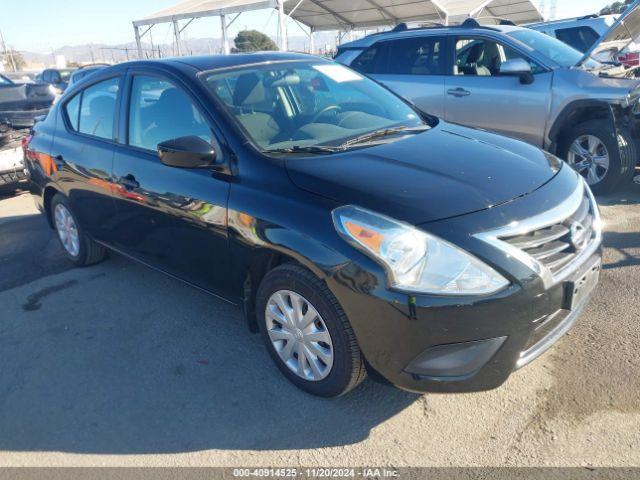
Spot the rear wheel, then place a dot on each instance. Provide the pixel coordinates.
(595, 153)
(307, 334)
(77, 246)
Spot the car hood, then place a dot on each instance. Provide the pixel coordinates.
(624, 32)
(444, 172)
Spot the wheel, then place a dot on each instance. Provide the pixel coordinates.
(77, 246)
(591, 149)
(307, 334)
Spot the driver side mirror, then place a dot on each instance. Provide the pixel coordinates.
(187, 152)
(517, 67)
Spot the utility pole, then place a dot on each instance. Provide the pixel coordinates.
(552, 11)
(9, 54)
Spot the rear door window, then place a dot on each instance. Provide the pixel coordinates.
(416, 56)
(97, 109)
(372, 60)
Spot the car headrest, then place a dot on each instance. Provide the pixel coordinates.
(102, 105)
(249, 90)
(175, 104)
(475, 53)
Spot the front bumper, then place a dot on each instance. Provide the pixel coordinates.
(442, 344)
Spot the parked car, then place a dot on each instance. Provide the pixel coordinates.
(57, 77)
(12, 169)
(580, 33)
(84, 72)
(354, 231)
(517, 82)
(583, 32)
(21, 103)
(20, 77)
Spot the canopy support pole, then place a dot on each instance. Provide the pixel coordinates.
(136, 32)
(225, 40)
(311, 42)
(176, 34)
(282, 26)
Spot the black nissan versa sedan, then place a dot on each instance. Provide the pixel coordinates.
(357, 233)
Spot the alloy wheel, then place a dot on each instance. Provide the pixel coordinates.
(67, 230)
(299, 335)
(589, 156)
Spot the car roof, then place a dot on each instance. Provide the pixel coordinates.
(606, 20)
(428, 31)
(213, 62)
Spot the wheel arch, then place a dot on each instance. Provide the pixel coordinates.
(292, 247)
(47, 196)
(577, 112)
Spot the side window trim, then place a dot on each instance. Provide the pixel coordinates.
(67, 122)
(125, 112)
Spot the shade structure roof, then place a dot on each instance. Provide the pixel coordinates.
(341, 14)
(353, 14)
(204, 8)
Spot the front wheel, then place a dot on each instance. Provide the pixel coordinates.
(307, 334)
(596, 154)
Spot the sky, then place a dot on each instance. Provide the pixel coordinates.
(43, 25)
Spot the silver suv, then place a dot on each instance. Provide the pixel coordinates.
(518, 82)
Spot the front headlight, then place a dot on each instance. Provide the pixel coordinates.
(415, 261)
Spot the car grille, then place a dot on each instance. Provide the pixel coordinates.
(556, 246)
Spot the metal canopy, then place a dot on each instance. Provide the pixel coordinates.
(354, 14)
(204, 8)
(191, 9)
(343, 15)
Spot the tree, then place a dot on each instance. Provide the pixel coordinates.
(14, 60)
(253, 41)
(616, 7)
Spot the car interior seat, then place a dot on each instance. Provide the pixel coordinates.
(249, 94)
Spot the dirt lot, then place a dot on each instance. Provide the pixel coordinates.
(119, 365)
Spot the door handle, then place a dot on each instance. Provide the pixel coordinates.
(458, 92)
(129, 182)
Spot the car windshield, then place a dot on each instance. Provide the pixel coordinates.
(313, 106)
(552, 48)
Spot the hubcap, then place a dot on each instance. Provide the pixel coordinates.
(299, 335)
(588, 155)
(67, 230)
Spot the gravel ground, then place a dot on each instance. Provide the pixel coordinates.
(119, 365)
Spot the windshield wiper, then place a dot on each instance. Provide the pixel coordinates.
(317, 149)
(383, 132)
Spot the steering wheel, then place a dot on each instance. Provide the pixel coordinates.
(324, 111)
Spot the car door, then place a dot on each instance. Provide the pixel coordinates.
(478, 96)
(412, 67)
(82, 152)
(174, 219)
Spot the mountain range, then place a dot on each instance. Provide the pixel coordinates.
(95, 52)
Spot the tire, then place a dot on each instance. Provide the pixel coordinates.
(87, 252)
(622, 154)
(348, 369)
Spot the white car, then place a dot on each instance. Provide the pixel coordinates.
(583, 32)
(12, 170)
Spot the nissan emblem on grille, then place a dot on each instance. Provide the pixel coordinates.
(578, 236)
